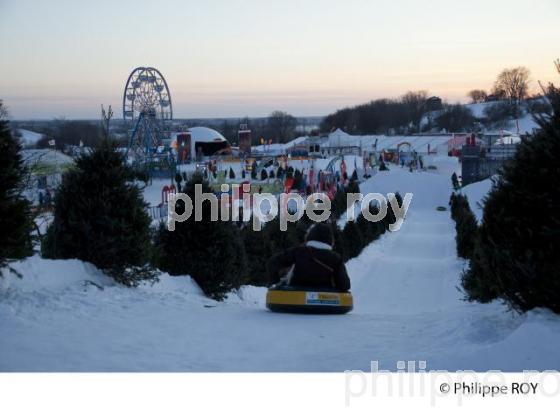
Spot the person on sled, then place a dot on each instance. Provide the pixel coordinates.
(311, 265)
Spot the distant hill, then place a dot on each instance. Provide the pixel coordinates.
(499, 120)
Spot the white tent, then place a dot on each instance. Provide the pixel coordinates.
(339, 138)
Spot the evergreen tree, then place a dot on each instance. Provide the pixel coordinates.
(271, 174)
(100, 217)
(15, 215)
(254, 172)
(516, 256)
(465, 225)
(211, 252)
(231, 173)
(353, 239)
(353, 187)
(281, 240)
(391, 218)
(178, 180)
(298, 179)
(354, 176)
(466, 233)
(455, 181)
(338, 204)
(258, 250)
(377, 228)
(339, 244)
(264, 174)
(366, 229)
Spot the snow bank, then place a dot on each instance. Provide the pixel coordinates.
(171, 284)
(476, 193)
(249, 296)
(528, 342)
(52, 274)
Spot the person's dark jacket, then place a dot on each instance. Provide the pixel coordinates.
(313, 266)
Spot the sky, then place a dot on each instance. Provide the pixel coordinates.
(64, 58)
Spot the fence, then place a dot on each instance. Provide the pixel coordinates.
(478, 164)
(158, 212)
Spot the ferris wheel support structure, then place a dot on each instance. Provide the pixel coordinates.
(148, 109)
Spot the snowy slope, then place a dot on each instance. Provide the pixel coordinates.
(525, 124)
(29, 138)
(407, 307)
(476, 193)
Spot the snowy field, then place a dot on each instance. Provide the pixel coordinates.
(66, 316)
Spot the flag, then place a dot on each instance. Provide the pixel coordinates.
(52, 143)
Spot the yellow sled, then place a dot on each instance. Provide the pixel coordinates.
(291, 299)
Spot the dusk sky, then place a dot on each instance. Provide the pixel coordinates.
(236, 58)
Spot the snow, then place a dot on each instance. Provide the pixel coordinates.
(29, 138)
(526, 123)
(45, 156)
(476, 192)
(508, 140)
(444, 165)
(477, 109)
(419, 144)
(52, 275)
(407, 307)
(152, 192)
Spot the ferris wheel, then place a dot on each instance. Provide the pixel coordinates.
(147, 108)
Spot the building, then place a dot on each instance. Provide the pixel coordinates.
(204, 142)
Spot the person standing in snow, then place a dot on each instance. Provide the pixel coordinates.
(313, 264)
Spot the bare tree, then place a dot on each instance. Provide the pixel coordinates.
(477, 96)
(513, 83)
(415, 102)
(281, 126)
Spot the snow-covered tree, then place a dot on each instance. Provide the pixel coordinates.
(100, 216)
